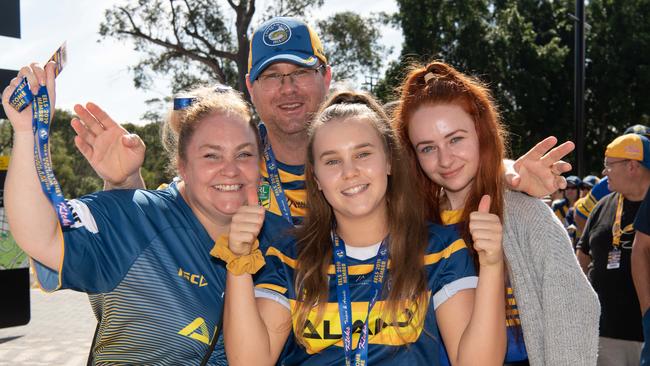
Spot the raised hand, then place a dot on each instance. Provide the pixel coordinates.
(246, 224)
(487, 234)
(36, 76)
(538, 172)
(115, 154)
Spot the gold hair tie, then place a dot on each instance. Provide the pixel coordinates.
(238, 264)
(428, 76)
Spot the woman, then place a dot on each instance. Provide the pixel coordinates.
(457, 142)
(365, 280)
(143, 256)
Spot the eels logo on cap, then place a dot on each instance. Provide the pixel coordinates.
(276, 34)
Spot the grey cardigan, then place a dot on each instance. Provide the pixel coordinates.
(558, 308)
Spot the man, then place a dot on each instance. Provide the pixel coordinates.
(586, 204)
(288, 79)
(641, 271)
(606, 249)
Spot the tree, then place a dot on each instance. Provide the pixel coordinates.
(617, 73)
(202, 41)
(524, 50)
(517, 47)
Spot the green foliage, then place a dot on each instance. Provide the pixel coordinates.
(349, 36)
(524, 51)
(197, 42)
(618, 70)
(72, 170)
(514, 46)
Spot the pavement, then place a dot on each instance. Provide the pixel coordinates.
(59, 333)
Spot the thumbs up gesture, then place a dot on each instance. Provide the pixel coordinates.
(246, 224)
(487, 234)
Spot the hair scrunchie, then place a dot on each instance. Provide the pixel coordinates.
(238, 264)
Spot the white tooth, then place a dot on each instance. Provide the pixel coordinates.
(355, 189)
(228, 187)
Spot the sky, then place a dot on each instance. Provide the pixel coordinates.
(98, 69)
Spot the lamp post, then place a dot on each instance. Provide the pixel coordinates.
(579, 86)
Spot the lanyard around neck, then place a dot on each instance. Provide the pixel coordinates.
(345, 302)
(274, 175)
(617, 232)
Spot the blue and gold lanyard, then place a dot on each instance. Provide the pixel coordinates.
(41, 118)
(345, 301)
(617, 233)
(274, 175)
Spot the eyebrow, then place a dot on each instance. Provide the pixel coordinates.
(446, 136)
(357, 147)
(220, 148)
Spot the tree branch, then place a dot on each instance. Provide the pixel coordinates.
(174, 25)
(214, 66)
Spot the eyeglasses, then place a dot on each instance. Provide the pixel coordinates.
(301, 77)
(608, 164)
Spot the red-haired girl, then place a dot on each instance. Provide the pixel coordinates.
(456, 141)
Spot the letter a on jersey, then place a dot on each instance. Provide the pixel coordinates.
(198, 330)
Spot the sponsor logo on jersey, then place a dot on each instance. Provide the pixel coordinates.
(195, 279)
(381, 330)
(297, 204)
(264, 195)
(198, 330)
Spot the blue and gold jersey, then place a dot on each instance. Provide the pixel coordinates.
(586, 204)
(516, 349)
(402, 341)
(293, 184)
(144, 259)
(560, 209)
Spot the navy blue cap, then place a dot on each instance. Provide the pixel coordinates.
(590, 181)
(283, 39)
(573, 180)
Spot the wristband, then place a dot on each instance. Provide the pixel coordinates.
(238, 264)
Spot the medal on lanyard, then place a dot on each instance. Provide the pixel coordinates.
(345, 302)
(614, 255)
(22, 95)
(274, 175)
(41, 118)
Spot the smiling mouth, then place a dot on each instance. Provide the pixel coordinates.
(290, 106)
(451, 173)
(228, 187)
(355, 190)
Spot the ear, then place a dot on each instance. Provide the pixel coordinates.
(327, 77)
(317, 181)
(634, 166)
(181, 167)
(249, 85)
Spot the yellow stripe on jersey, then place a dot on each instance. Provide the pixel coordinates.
(285, 176)
(282, 257)
(352, 270)
(362, 269)
(445, 253)
(512, 322)
(296, 198)
(381, 330)
(269, 286)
